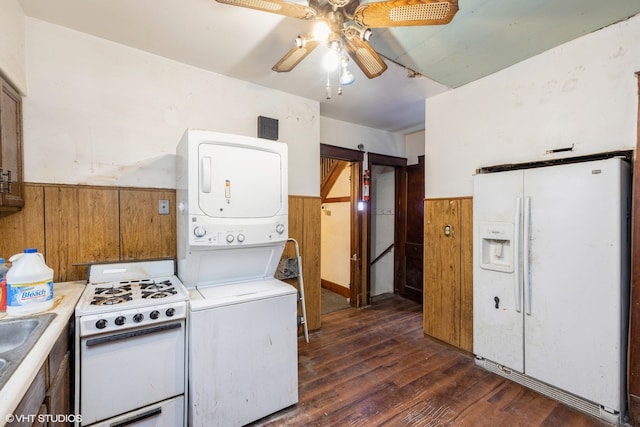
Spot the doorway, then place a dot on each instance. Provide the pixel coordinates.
(376, 227)
(386, 226)
(341, 224)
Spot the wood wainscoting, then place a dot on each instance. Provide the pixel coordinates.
(448, 270)
(74, 225)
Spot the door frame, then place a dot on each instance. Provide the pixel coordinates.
(399, 164)
(357, 292)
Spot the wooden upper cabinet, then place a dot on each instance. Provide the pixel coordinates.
(11, 196)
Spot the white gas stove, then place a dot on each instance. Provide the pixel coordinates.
(130, 326)
(125, 295)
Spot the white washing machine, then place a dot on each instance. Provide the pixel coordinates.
(241, 336)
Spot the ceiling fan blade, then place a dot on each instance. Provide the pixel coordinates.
(371, 64)
(280, 7)
(397, 13)
(294, 56)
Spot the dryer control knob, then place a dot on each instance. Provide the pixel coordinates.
(230, 238)
(240, 238)
(199, 231)
(280, 228)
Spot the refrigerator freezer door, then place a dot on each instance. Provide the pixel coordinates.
(497, 292)
(573, 336)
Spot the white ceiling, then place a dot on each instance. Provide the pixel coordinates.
(484, 37)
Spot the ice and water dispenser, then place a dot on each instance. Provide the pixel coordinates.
(497, 246)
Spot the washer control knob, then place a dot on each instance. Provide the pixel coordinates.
(170, 312)
(101, 324)
(230, 238)
(240, 238)
(138, 317)
(120, 320)
(280, 228)
(199, 231)
(154, 314)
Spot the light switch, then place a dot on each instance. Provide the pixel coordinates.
(163, 207)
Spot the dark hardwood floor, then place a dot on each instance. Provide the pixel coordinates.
(374, 367)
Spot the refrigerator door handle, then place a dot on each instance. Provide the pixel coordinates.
(517, 265)
(527, 254)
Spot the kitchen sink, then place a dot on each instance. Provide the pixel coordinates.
(17, 337)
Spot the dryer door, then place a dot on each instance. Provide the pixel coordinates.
(239, 182)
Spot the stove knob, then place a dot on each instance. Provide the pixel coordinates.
(138, 317)
(170, 312)
(101, 324)
(154, 314)
(120, 320)
(240, 237)
(230, 238)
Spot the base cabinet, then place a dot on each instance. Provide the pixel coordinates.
(448, 271)
(47, 402)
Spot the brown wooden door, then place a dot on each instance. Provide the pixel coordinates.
(413, 249)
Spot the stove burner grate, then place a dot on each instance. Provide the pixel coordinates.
(111, 300)
(112, 290)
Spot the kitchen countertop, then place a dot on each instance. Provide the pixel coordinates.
(65, 298)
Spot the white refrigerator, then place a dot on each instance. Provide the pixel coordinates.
(551, 277)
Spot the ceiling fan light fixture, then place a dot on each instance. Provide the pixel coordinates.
(321, 31)
(346, 77)
(332, 58)
(366, 34)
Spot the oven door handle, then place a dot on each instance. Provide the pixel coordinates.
(139, 417)
(133, 334)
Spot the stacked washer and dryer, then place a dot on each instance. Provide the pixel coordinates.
(232, 222)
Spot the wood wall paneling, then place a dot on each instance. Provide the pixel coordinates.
(466, 274)
(81, 226)
(24, 229)
(448, 271)
(144, 232)
(304, 227)
(442, 271)
(311, 261)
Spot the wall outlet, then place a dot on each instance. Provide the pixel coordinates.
(163, 207)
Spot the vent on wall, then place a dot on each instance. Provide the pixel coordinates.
(267, 128)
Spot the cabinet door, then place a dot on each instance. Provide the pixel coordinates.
(11, 146)
(58, 397)
(442, 270)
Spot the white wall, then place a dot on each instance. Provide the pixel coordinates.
(583, 93)
(414, 145)
(101, 113)
(349, 135)
(12, 44)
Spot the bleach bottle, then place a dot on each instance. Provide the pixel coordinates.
(29, 284)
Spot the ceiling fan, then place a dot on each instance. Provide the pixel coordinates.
(345, 25)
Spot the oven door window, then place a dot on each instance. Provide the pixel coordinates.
(124, 371)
